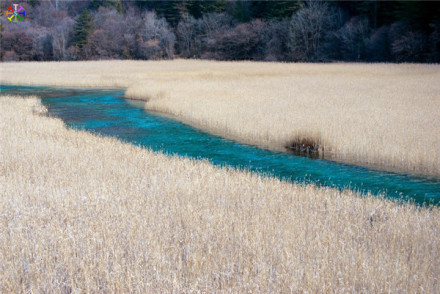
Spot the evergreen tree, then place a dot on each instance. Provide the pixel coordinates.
(378, 12)
(82, 29)
(198, 8)
(241, 11)
(274, 9)
(95, 4)
(172, 11)
(148, 5)
(419, 14)
(33, 3)
(213, 6)
(1, 29)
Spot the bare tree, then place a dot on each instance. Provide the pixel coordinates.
(167, 43)
(244, 42)
(154, 27)
(42, 44)
(47, 15)
(274, 37)
(353, 38)
(10, 56)
(188, 36)
(107, 38)
(308, 29)
(410, 47)
(61, 35)
(156, 32)
(114, 34)
(407, 44)
(212, 23)
(18, 39)
(434, 42)
(378, 48)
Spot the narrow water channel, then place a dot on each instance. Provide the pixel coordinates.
(106, 112)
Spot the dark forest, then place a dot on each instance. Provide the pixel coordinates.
(293, 31)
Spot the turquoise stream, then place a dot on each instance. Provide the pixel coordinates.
(106, 112)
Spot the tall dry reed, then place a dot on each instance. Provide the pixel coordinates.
(82, 213)
(380, 115)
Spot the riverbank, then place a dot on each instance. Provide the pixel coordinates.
(104, 216)
(379, 115)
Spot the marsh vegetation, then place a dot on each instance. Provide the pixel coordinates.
(87, 213)
(379, 115)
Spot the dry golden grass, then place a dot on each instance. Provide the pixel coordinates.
(381, 115)
(83, 213)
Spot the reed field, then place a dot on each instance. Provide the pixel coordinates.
(385, 116)
(84, 213)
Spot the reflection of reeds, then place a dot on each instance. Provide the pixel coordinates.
(82, 213)
(382, 115)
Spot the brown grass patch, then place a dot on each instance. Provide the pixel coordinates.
(305, 146)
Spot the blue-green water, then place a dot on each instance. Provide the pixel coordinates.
(106, 112)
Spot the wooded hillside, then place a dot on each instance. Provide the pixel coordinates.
(299, 31)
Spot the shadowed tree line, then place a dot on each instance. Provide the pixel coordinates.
(299, 31)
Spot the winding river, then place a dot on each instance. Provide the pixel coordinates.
(106, 112)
